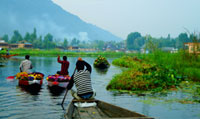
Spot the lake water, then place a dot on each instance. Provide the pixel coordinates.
(15, 103)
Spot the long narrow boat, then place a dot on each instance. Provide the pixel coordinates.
(99, 110)
(8, 56)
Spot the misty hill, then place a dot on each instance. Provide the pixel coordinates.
(47, 17)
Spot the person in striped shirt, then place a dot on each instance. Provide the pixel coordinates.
(82, 81)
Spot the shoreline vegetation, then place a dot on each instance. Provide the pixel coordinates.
(55, 52)
(158, 72)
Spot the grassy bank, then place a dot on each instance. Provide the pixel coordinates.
(156, 72)
(55, 52)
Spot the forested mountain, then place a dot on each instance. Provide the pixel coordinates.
(47, 17)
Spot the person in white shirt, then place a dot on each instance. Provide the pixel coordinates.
(26, 65)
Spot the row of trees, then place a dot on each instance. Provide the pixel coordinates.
(38, 42)
(48, 41)
(135, 41)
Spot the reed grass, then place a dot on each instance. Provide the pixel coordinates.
(156, 71)
(55, 52)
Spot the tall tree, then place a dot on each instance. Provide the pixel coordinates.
(16, 37)
(5, 38)
(182, 38)
(130, 40)
(37, 43)
(151, 44)
(48, 42)
(75, 42)
(33, 36)
(65, 43)
(27, 37)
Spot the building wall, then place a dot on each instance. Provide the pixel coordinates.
(193, 47)
(4, 45)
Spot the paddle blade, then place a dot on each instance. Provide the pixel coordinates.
(10, 78)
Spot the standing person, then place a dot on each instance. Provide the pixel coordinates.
(82, 80)
(26, 65)
(64, 66)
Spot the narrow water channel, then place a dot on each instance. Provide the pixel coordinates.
(16, 103)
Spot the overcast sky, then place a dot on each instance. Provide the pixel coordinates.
(155, 17)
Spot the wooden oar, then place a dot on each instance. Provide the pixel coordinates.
(67, 90)
(64, 97)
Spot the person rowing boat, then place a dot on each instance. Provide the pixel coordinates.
(82, 81)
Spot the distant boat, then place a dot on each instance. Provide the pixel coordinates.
(101, 63)
(8, 56)
(96, 109)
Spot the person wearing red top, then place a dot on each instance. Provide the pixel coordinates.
(64, 66)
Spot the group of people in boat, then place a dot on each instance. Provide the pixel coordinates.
(81, 76)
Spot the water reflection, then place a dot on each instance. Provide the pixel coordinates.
(55, 90)
(32, 89)
(101, 71)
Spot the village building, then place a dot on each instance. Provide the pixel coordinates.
(169, 49)
(73, 48)
(3, 44)
(192, 47)
(21, 45)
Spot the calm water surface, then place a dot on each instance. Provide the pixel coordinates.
(15, 103)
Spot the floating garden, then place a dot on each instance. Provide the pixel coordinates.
(156, 73)
(101, 62)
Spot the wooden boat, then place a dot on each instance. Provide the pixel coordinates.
(102, 66)
(102, 110)
(27, 83)
(56, 88)
(58, 81)
(57, 84)
(8, 56)
(101, 63)
(31, 79)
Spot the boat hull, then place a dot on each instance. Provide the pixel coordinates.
(58, 84)
(102, 110)
(102, 66)
(29, 83)
(8, 56)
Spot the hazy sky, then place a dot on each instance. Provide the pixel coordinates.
(155, 17)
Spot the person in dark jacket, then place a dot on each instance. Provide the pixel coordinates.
(64, 66)
(82, 81)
